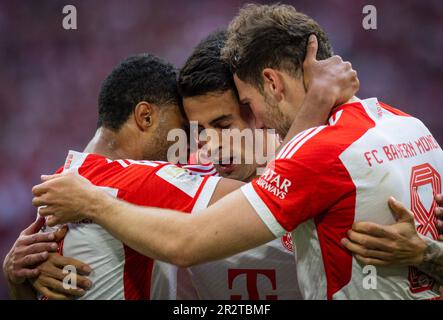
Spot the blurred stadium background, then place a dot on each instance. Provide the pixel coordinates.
(50, 77)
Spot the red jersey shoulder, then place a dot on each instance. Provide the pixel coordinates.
(152, 183)
(324, 144)
(393, 110)
(121, 174)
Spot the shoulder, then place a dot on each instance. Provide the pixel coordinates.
(207, 169)
(123, 174)
(324, 144)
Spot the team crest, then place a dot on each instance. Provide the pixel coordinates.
(286, 241)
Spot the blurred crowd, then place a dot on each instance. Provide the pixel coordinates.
(50, 77)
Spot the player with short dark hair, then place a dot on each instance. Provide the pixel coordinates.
(116, 160)
(138, 106)
(321, 182)
(209, 97)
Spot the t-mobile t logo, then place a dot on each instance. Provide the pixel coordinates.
(252, 282)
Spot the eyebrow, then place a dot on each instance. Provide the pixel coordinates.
(218, 119)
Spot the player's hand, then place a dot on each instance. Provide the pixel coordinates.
(30, 249)
(332, 79)
(398, 244)
(64, 198)
(51, 276)
(439, 213)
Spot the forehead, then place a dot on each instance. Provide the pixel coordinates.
(208, 107)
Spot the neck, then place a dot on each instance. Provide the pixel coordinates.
(113, 145)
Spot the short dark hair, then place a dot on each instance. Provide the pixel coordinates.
(141, 77)
(204, 71)
(271, 36)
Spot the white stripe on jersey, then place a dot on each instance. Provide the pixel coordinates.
(293, 141)
(334, 119)
(298, 143)
(304, 141)
(202, 169)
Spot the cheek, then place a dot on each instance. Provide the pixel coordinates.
(258, 112)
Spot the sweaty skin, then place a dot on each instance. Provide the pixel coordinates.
(320, 99)
(197, 238)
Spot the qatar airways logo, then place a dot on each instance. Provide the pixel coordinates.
(274, 183)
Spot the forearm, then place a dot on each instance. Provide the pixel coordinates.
(313, 112)
(156, 233)
(225, 228)
(432, 263)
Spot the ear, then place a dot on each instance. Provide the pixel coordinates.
(273, 83)
(144, 115)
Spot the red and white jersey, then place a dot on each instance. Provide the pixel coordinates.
(267, 272)
(164, 275)
(328, 177)
(118, 272)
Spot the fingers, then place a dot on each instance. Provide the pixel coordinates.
(51, 295)
(45, 211)
(370, 261)
(52, 221)
(40, 248)
(311, 49)
(372, 229)
(369, 242)
(26, 273)
(57, 286)
(62, 261)
(35, 226)
(39, 201)
(358, 249)
(439, 199)
(32, 259)
(40, 189)
(37, 237)
(337, 59)
(440, 228)
(50, 270)
(60, 233)
(46, 177)
(356, 81)
(400, 212)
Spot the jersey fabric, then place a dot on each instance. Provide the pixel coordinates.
(328, 177)
(267, 272)
(118, 271)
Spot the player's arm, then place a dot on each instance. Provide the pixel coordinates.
(332, 78)
(229, 226)
(328, 83)
(397, 244)
(241, 220)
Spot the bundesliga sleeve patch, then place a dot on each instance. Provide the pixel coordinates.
(181, 178)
